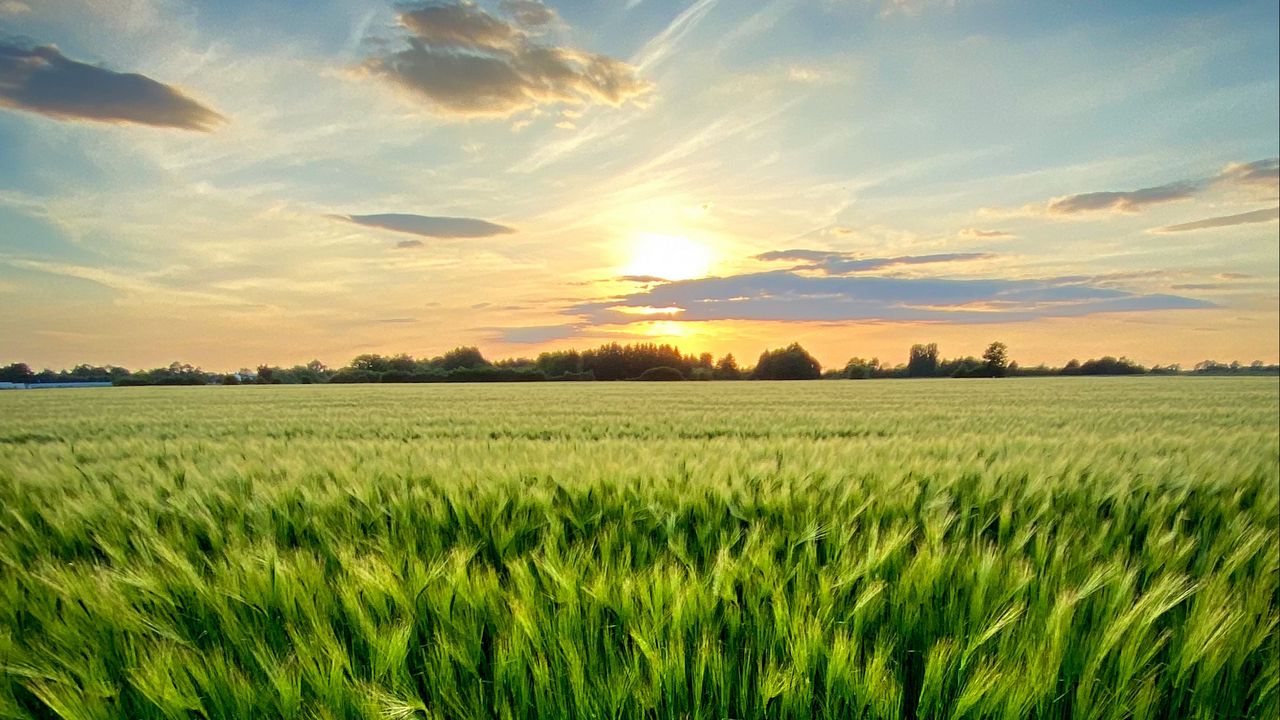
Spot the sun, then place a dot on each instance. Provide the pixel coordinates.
(670, 257)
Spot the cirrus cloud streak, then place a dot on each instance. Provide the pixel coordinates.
(1255, 216)
(843, 263)
(1260, 178)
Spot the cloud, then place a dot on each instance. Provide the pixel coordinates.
(804, 75)
(976, 234)
(1258, 175)
(528, 13)
(534, 334)
(457, 26)
(842, 263)
(913, 8)
(13, 7)
(1124, 201)
(133, 284)
(1263, 174)
(641, 279)
(436, 227)
(786, 296)
(1255, 216)
(43, 80)
(466, 62)
(662, 45)
(807, 256)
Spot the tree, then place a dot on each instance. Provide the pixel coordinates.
(923, 361)
(790, 363)
(727, 369)
(996, 359)
(1108, 365)
(16, 373)
(622, 362)
(860, 369)
(267, 375)
(463, 357)
(402, 363)
(962, 367)
(369, 363)
(560, 362)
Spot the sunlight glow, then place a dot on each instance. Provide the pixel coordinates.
(667, 329)
(671, 257)
(647, 310)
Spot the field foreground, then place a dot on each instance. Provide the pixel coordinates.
(1055, 548)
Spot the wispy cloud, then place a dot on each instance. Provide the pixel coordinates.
(640, 279)
(912, 8)
(1255, 216)
(466, 62)
(133, 284)
(43, 80)
(1260, 175)
(427, 226)
(977, 234)
(797, 255)
(528, 13)
(661, 45)
(535, 334)
(788, 296)
(842, 263)
(1123, 201)
(645, 60)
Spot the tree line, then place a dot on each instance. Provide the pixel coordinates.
(614, 361)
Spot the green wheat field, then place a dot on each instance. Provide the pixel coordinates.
(1036, 548)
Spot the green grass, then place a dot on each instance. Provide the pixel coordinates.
(1056, 548)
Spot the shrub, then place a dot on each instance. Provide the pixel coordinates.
(661, 374)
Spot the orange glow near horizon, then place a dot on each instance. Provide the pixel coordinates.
(669, 330)
(1142, 337)
(647, 310)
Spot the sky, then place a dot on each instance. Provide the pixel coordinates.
(229, 183)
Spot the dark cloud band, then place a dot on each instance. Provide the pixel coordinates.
(427, 226)
(1126, 201)
(841, 263)
(43, 80)
(1258, 175)
(1256, 216)
(787, 296)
